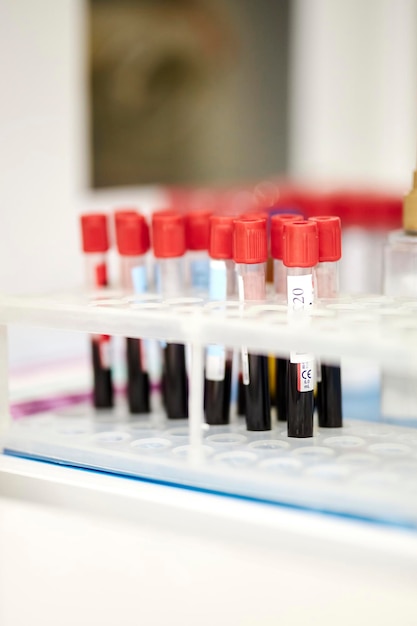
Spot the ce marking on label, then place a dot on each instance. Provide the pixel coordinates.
(306, 375)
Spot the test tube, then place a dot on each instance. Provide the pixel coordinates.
(300, 256)
(280, 284)
(329, 386)
(95, 244)
(132, 238)
(218, 371)
(168, 239)
(197, 234)
(250, 252)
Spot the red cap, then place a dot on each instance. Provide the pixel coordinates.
(221, 236)
(250, 241)
(301, 244)
(132, 234)
(168, 234)
(120, 213)
(277, 232)
(94, 232)
(330, 237)
(197, 230)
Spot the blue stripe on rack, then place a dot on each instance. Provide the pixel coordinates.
(398, 524)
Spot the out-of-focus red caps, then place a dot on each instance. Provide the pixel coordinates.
(277, 232)
(256, 215)
(301, 244)
(221, 236)
(197, 229)
(94, 232)
(132, 234)
(250, 241)
(168, 234)
(330, 237)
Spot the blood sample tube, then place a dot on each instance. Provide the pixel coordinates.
(197, 234)
(132, 238)
(168, 239)
(250, 252)
(329, 387)
(95, 244)
(280, 284)
(218, 372)
(300, 256)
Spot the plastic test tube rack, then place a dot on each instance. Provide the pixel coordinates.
(365, 469)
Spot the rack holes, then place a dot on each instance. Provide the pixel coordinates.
(344, 441)
(236, 459)
(390, 449)
(151, 444)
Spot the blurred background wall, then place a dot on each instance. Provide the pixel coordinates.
(188, 91)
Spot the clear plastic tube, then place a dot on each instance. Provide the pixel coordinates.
(218, 367)
(170, 281)
(400, 264)
(399, 391)
(95, 270)
(280, 278)
(96, 278)
(251, 287)
(327, 279)
(251, 281)
(133, 278)
(170, 277)
(329, 386)
(134, 273)
(301, 371)
(198, 270)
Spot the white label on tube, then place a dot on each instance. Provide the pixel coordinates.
(245, 366)
(244, 350)
(300, 291)
(215, 363)
(305, 370)
(139, 279)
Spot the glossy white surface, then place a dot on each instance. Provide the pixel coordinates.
(94, 549)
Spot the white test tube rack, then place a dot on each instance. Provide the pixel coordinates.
(363, 469)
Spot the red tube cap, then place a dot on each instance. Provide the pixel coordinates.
(250, 241)
(132, 234)
(221, 236)
(197, 230)
(301, 244)
(120, 213)
(330, 237)
(277, 232)
(94, 232)
(168, 234)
